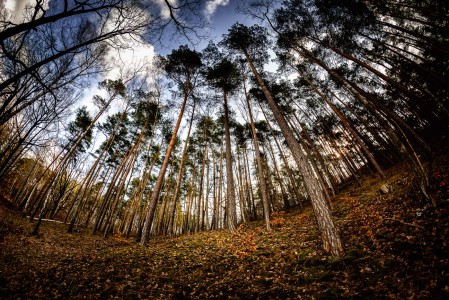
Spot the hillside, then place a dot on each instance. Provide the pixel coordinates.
(396, 248)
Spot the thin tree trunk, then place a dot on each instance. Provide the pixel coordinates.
(251, 194)
(181, 170)
(284, 159)
(200, 205)
(262, 183)
(331, 238)
(158, 185)
(348, 125)
(230, 190)
(241, 192)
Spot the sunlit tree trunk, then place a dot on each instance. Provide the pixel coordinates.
(117, 88)
(158, 185)
(284, 159)
(231, 223)
(251, 200)
(284, 192)
(213, 224)
(200, 203)
(395, 126)
(180, 172)
(331, 237)
(220, 189)
(206, 201)
(240, 188)
(262, 183)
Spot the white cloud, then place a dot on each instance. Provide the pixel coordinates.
(10, 4)
(165, 11)
(134, 60)
(211, 6)
(17, 8)
(130, 56)
(124, 63)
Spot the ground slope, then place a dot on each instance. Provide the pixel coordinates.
(396, 247)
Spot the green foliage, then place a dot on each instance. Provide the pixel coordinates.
(242, 134)
(116, 129)
(224, 75)
(252, 40)
(327, 20)
(113, 87)
(77, 128)
(182, 64)
(146, 110)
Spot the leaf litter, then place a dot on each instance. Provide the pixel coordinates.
(396, 248)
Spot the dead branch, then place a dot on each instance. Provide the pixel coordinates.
(405, 223)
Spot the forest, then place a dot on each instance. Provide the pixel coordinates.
(301, 155)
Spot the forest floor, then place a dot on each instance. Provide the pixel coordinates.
(396, 248)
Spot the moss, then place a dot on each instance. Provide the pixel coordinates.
(333, 261)
(354, 252)
(313, 232)
(303, 253)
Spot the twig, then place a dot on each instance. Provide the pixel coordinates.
(405, 223)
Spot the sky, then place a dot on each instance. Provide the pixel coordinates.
(224, 17)
(221, 14)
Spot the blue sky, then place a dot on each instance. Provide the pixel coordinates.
(222, 15)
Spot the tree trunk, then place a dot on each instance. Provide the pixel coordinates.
(200, 205)
(230, 190)
(181, 170)
(348, 125)
(262, 183)
(331, 238)
(240, 188)
(158, 185)
(284, 159)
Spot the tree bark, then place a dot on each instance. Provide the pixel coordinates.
(158, 185)
(230, 190)
(331, 238)
(262, 183)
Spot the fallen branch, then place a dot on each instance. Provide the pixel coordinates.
(46, 220)
(405, 223)
(54, 221)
